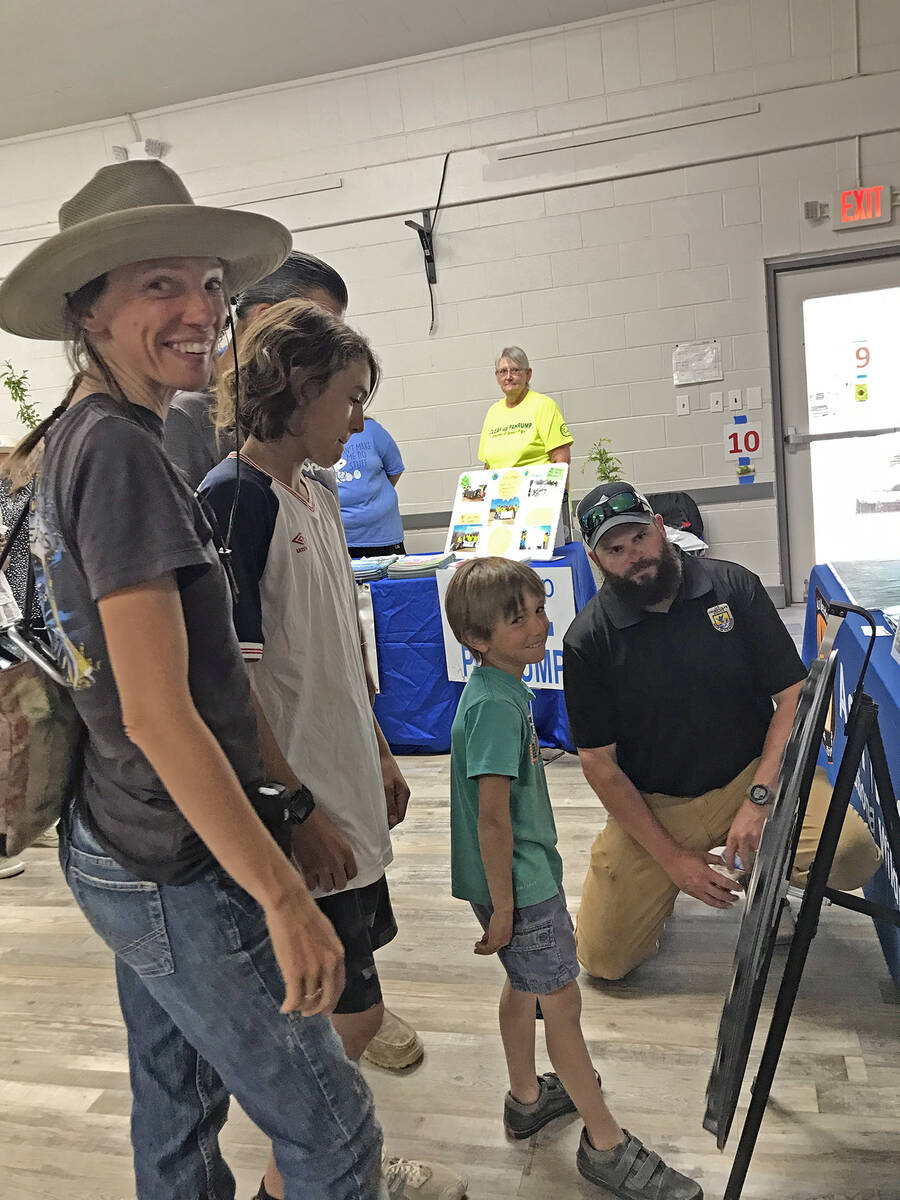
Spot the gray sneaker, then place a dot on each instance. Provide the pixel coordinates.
(632, 1172)
(523, 1120)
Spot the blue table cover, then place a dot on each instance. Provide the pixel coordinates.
(883, 685)
(416, 703)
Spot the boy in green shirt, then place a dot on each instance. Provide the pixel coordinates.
(504, 861)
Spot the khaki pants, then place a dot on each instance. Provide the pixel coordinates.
(628, 897)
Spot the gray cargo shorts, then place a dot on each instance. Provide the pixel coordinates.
(540, 956)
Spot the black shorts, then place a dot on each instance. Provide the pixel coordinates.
(364, 921)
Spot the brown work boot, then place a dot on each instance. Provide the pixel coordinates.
(407, 1179)
(395, 1046)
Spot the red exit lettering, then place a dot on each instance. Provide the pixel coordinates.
(861, 204)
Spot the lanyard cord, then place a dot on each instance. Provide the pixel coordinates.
(223, 545)
(237, 432)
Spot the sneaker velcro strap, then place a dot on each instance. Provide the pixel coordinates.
(626, 1162)
(644, 1172)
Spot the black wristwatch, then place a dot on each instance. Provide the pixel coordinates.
(760, 794)
(298, 805)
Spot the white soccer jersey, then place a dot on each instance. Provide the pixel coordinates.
(297, 623)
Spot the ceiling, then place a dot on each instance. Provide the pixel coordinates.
(62, 63)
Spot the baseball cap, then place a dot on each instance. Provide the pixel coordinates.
(609, 505)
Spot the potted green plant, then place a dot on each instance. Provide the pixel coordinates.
(608, 467)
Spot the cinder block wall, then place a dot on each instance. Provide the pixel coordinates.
(596, 261)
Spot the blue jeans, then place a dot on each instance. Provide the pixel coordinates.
(200, 993)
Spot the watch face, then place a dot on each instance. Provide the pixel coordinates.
(760, 794)
(300, 805)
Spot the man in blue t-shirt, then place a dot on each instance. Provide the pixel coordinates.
(367, 477)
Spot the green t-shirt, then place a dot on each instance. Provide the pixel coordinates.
(523, 434)
(493, 734)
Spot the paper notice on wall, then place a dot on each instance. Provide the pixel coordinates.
(696, 362)
(743, 440)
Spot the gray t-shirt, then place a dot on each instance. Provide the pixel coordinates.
(195, 446)
(191, 439)
(112, 512)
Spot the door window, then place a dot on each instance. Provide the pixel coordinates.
(852, 350)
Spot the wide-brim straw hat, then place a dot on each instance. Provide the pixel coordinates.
(130, 212)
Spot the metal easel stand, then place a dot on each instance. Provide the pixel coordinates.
(862, 733)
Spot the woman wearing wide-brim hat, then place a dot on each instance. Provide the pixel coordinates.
(225, 966)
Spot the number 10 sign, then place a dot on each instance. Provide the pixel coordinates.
(743, 440)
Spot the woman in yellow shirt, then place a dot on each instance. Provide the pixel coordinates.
(525, 426)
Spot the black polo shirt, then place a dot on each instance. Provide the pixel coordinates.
(685, 696)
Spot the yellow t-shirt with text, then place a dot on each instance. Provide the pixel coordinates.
(520, 436)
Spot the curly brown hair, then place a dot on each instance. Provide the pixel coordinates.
(287, 357)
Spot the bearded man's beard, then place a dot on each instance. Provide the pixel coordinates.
(644, 593)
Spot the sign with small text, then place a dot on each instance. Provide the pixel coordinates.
(560, 608)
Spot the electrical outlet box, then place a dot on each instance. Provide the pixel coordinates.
(754, 397)
(716, 403)
(682, 404)
(734, 398)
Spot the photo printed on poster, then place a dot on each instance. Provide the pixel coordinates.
(513, 512)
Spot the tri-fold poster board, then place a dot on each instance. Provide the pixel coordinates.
(512, 512)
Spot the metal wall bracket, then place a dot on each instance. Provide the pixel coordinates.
(425, 231)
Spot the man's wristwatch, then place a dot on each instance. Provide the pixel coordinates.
(760, 794)
(298, 805)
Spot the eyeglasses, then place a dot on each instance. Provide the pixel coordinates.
(614, 506)
(509, 371)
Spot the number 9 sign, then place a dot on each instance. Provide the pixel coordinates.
(743, 440)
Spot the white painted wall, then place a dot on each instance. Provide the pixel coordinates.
(596, 260)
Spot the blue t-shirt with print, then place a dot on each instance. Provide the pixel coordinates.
(369, 505)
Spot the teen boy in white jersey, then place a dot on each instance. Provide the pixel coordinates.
(195, 446)
(305, 377)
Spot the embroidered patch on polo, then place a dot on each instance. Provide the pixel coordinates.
(721, 617)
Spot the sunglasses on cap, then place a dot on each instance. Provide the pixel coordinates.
(622, 504)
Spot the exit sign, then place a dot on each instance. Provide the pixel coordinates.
(861, 206)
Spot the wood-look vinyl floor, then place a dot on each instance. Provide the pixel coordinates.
(832, 1131)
